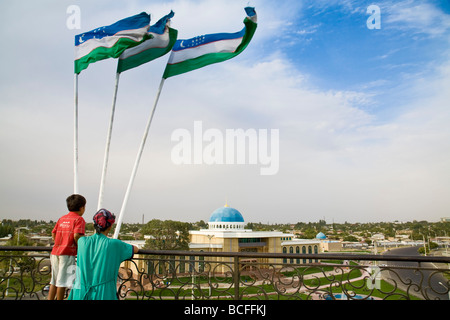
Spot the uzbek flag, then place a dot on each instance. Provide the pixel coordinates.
(110, 41)
(162, 39)
(195, 53)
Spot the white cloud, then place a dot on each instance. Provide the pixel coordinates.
(418, 16)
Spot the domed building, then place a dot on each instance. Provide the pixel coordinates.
(320, 244)
(328, 245)
(309, 246)
(226, 233)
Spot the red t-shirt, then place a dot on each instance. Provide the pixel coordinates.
(64, 231)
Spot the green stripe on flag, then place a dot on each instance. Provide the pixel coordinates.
(102, 53)
(147, 55)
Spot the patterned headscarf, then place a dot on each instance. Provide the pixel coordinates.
(103, 219)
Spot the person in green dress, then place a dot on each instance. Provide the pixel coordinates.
(98, 261)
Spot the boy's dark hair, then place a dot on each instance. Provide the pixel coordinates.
(75, 202)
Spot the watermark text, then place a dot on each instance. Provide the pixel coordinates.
(374, 21)
(74, 20)
(234, 146)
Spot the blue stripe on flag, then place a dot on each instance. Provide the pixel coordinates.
(205, 39)
(160, 26)
(250, 11)
(135, 22)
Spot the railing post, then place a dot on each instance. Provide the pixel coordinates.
(236, 277)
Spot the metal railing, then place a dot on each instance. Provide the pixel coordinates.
(186, 275)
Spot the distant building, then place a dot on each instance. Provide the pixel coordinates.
(226, 233)
(303, 246)
(328, 245)
(41, 240)
(317, 245)
(377, 237)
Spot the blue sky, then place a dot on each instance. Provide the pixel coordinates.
(331, 42)
(362, 113)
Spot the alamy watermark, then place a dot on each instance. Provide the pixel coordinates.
(234, 146)
(74, 20)
(374, 21)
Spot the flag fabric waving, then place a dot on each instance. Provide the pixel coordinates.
(162, 39)
(195, 53)
(110, 41)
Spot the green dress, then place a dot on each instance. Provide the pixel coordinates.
(98, 262)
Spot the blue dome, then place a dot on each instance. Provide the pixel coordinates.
(320, 235)
(226, 214)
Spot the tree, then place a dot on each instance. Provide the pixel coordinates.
(351, 238)
(429, 246)
(6, 230)
(202, 224)
(166, 235)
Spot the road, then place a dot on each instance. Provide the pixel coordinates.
(434, 285)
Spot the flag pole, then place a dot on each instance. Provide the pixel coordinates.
(75, 136)
(108, 142)
(136, 164)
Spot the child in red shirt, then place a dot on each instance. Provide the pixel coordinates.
(66, 233)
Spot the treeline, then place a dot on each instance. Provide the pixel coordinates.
(8, 226)
(417, 230)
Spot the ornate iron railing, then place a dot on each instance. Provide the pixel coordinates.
(185, 275)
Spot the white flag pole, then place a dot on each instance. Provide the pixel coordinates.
(136, 164)
(108, 142)
(75, 136)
